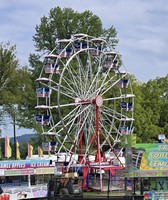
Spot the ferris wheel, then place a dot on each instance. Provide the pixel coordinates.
(84, 97)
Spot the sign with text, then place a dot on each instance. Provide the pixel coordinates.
(142, 173)
(22, 164)
(155, 156)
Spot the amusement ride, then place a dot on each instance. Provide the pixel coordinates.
(85, 101)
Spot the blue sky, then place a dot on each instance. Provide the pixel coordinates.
(142, 27)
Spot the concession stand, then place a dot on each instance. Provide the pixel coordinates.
(21, 179)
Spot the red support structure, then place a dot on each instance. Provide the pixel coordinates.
(80, 157)
(99, 103)
(98, 154)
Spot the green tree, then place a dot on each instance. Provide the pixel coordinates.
(9, 82)
(15, 86)
(151, 107)
(163, 115)
(61, 24)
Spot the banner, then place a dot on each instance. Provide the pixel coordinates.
(7, 147)
(30, 150)
(40, 152)
(17, 151)
(24, 164)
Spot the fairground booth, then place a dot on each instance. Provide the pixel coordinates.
(21, 179)
(149, 172)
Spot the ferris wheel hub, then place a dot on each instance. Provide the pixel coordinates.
(99, 101)
(77, 100)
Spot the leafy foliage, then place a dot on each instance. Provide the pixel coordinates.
(8, 74)
(62, 24)
(151, 109)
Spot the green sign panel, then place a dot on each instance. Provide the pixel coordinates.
(155, 156)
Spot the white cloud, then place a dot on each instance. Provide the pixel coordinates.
(141, 26)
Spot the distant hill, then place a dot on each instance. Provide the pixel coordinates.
(23, 138)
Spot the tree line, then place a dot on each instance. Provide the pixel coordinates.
(17, 83)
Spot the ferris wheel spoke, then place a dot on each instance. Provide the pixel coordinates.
(103, 81)
(80, 127)
(108, 127)
(109, 111)
(113, 98)
(65, 105)
(79, 74)
(115, 115)
(110, 119)
(107, 121)
(69, 87)
(94, 72)
(108, 132)
(70, 129)
(111, 80)
(65, 118)
(71, 121)
(106, 86)
(71, 117)
(96, 80)
(74, 81)
(90, 76)
(88, 71)
(82, 76)
(90, 129)
(93, 84)
(64, 90)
